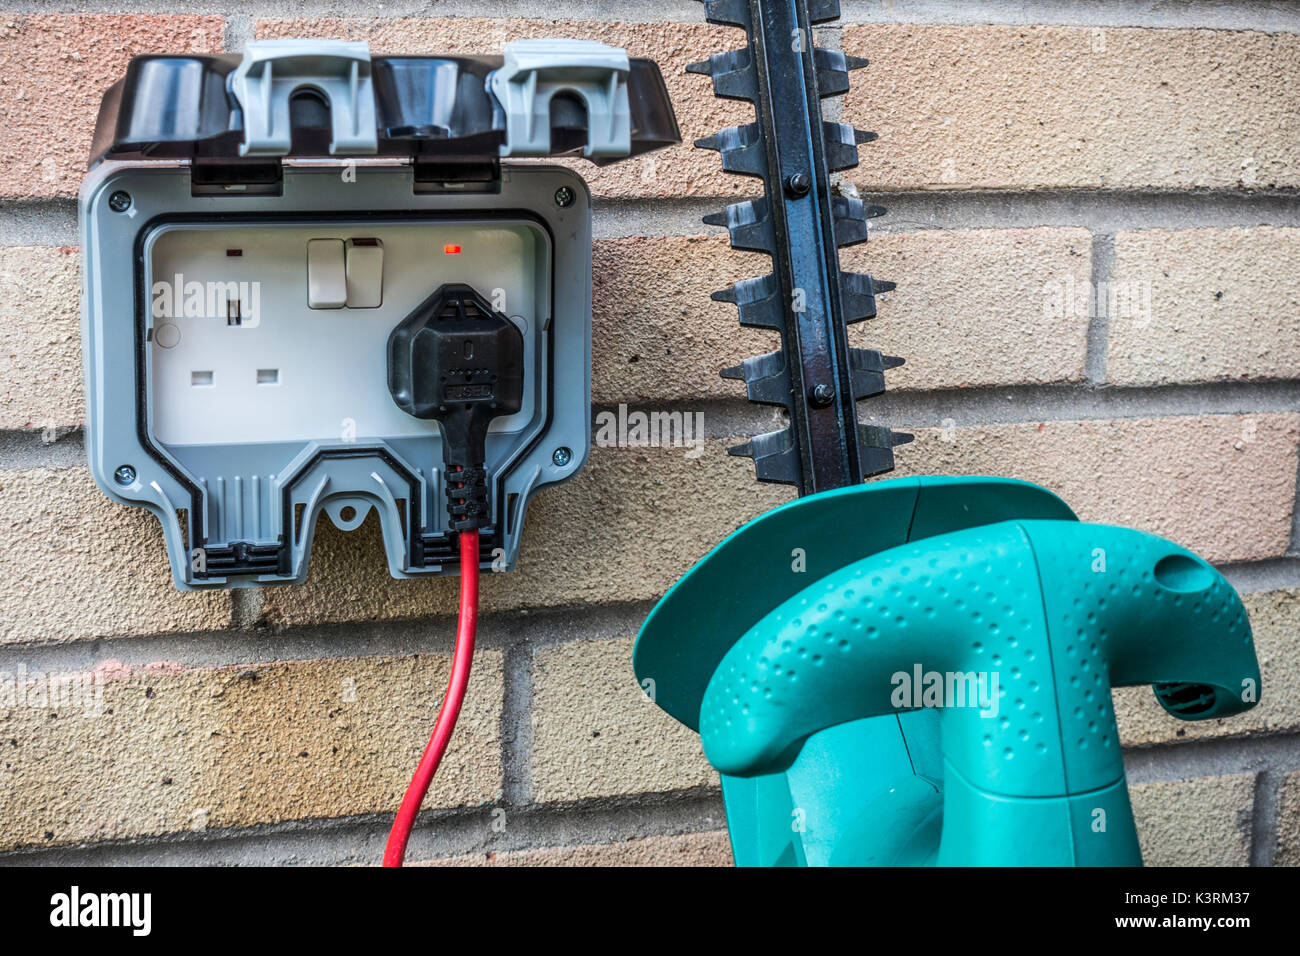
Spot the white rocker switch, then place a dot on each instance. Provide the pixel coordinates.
(365, 273)
(326, 278)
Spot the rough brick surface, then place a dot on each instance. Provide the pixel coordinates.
(595, 734)
(1203, 822)
(76, 565)
(972, 308)
(1002, 107)
(1221, 485)
(56, 69)
(692, 849)
(40, 346)
(1275, 622)
(1287, 850)
(170, 750)
(1224, 305)
(675, 172)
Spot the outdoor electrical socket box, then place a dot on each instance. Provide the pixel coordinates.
(255, 228)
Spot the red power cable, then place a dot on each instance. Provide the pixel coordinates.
(461, 659)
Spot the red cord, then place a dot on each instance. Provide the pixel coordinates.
(461, 658)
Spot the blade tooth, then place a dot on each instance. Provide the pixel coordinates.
(884, 285)
(767, 379)
(852, 62)
(758, 300)
(849, 216)
(832, 72)
(733, 74)
(727, 12)
(874, 212)
(893, 361)
(776, 458)
(841, 146)
(857, 296)
(823, 11)
(861, 136)
(741, 147)
(876, 445)
(750, 225)
(867, 369)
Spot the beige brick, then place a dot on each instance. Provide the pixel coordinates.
(1202, 822)
(40, 347)
(1008, 107)
(609, 535)
(1275, 621)
(56, 69)
(1221, 485)
(971, 309)
(595, 734)
(1287, 851)
(693, 849)
(174, 750)
(1224, 305)
(76, 565)
(674, 172)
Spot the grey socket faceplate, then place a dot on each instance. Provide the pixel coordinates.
(251, 493)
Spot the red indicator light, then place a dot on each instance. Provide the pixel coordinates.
(451, 250)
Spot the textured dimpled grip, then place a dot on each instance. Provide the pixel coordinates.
(1047, 617)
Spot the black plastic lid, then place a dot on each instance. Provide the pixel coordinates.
(181, 107)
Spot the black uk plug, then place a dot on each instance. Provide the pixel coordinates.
(458, 361)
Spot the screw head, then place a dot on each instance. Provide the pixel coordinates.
(562, 456)
(822, 395)
(120, 201)
(564, 197)
(125, 475)
(798, 184)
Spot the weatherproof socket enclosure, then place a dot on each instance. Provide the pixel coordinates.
(254, 229)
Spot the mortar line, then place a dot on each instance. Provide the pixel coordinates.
(53, 221)
(1096, 355)
(518, 635)
(438, 834)
(1277, 16)
(497, 631)
(727, 418)
(517, 727)
(1209, 14)
(1295, 517)
(592, 821)
(238, 31)
(1264, 817)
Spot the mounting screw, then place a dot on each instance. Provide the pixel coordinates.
(564, 197)
(120, 201)
(822, 395)
(125, 475)
(562, 456)
(798, 184)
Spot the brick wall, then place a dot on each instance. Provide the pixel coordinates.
(1152, 148)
